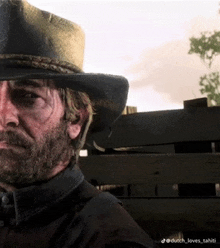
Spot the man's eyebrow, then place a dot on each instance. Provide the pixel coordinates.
(29, 83)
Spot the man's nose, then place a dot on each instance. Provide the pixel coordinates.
(8, 111)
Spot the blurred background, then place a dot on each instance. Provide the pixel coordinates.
(145, 41)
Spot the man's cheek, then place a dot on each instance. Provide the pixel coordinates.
(39, 116)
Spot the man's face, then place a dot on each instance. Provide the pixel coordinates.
(33, 134)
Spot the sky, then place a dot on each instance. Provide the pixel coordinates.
(145, 41)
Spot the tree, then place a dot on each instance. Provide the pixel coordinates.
(208, 47)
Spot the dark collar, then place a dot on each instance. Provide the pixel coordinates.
(32, 200)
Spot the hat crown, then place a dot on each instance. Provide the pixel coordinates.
(37, 44)
(27, 30)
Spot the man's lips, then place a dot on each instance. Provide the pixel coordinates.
(11, 139)
(5, 145)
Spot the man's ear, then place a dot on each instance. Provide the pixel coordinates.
(73, 129)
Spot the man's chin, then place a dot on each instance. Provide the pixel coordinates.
(15, 169)
(11, 159)
(8, 160)
(34, 163)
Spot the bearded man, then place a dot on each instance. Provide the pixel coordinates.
(47, 105)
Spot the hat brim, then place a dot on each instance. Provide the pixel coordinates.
(108, 93)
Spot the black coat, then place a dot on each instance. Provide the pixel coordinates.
(67, 211)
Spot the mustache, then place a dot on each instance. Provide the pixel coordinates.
(13, 138)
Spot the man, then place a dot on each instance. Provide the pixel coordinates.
(46, 107)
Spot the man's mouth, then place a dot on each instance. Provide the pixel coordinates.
(6, 145)
(10, 140)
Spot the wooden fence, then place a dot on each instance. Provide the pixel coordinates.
(165, 167)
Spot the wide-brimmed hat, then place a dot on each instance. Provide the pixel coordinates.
(37, 44)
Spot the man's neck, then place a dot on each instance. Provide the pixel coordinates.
(59, 168)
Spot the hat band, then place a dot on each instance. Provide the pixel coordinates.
(41, 62)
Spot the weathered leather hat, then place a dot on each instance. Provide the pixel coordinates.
(37, 44)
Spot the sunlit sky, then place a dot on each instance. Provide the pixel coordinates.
(145, 41)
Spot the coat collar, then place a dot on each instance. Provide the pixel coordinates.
(29, 201)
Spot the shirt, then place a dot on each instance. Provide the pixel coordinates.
(66, 211)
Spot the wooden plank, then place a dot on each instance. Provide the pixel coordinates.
(165, 216)
(173, 209)
(196, 103)
(170, 148)
(152, 169)
(147, 149)
(129, 110)
(163, 127)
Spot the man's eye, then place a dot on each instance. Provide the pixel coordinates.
(30, 95)
(24, 97)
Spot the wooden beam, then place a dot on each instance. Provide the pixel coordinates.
(165, 216)
(163, 127)
(196, 103)
(173, 209)
(152, 169)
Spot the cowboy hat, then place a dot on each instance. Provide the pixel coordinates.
(37, 44)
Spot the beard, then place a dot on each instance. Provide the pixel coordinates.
(33, 162)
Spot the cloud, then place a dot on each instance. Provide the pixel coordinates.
(147, 99)
(200, 24)
(170, 70)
